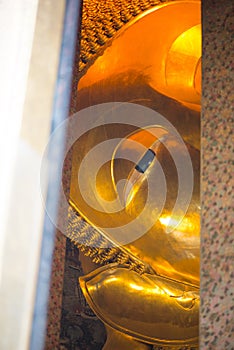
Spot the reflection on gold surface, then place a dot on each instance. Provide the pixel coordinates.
(188, 224)
(154, 61)
(181, 71)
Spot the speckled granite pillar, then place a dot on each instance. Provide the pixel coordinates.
(217, 263)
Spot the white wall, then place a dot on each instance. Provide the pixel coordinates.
(30, 39)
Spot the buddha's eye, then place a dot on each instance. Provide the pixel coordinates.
(145, 161)
(133, 159)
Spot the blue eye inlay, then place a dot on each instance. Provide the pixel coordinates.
(145, 161)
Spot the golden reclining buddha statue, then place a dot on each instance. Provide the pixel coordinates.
(140, 60)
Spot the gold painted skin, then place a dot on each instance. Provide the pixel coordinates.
(175, 256)
(161, 308)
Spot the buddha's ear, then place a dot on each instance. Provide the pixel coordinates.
(148, 308)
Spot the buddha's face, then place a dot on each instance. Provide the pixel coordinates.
(143, 206)
(142, 68)
(154, 62)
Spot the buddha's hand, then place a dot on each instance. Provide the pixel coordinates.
(149, 308)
